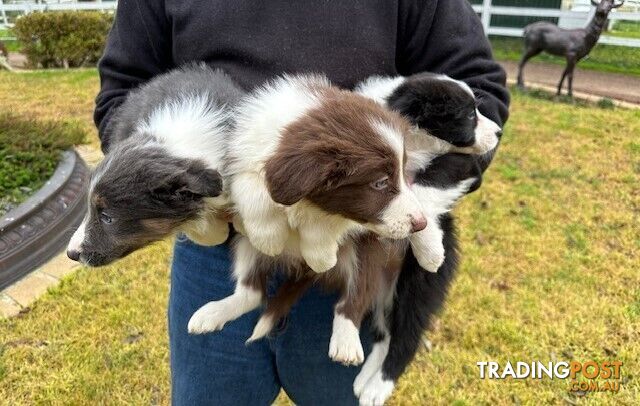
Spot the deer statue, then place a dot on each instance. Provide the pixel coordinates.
(572, 44)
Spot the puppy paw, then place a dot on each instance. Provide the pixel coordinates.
(213, 236)
(345, 346)
(269, 243)
(431, 260)
(238, 225)
(361, 380)
(373, 365)
(346, 351)
(263, 327)
(319, 263)
(319, 259)
(376, 391)
(209, 318)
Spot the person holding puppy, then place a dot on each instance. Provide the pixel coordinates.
(347, 40)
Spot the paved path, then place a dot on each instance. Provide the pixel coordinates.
(615, 86)
(17, 60)
(612, 85)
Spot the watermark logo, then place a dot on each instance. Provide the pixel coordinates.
(590, 376)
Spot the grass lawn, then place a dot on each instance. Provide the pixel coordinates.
(12, 45)
(551, 250)
(605, 58)
(29, 153)
(626, 29)
(63, 104)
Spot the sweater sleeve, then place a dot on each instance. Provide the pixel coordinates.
(138, 48)
(446, 36)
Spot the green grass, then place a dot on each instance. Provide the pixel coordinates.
(63, 103)
(12, 45)
(52, 95)
(626, 29)
(550, 271)
(29, 153)
(605, 58)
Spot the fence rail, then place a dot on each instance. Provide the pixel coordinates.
(486, 11)
(26, 8)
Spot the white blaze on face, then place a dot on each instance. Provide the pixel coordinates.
(486, 130)
(397, 219)
(405, 209)
(486, 134)
(78, 237)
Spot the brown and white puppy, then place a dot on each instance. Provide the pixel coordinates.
(304, 151)
(312, 170)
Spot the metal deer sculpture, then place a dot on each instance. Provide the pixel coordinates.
(572, 44)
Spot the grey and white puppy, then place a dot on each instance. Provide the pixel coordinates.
(161, 174)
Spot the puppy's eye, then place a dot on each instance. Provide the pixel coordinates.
(472, 116)
(105, 218)
(380, 184)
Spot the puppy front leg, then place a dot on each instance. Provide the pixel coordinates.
(364, 272)
(247, 296)
(427, 246)
(371, 387)
(379, 350)
(345, 346)
(263, 221)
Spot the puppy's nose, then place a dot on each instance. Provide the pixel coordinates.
(73, 254)
(418, 223)
(499, 133)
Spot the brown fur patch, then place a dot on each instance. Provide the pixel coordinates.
(380, 262)
(287, 295)
(332, 154)
(159, 226)
(98, 201)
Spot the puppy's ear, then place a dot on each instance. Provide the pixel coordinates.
(193, 183)
(420, 99)
(294, 175)
(408, 102)
(291, 176)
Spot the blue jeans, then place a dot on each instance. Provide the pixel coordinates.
(220, 369)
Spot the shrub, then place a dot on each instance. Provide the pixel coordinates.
(63, 38)
(29, 153)
(606, 103)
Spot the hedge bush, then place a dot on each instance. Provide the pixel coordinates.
(63, 38)
(29, 153)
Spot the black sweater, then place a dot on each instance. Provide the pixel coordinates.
(254, 41)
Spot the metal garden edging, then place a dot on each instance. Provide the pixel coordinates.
(40, 228)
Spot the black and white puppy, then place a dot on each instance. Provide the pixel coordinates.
(450, 130)
(161, 173)
(443, 111)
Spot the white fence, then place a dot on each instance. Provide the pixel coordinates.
(26, 7)
(486, 10)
